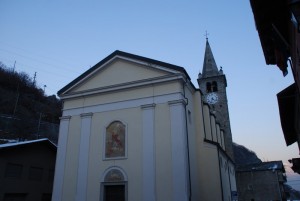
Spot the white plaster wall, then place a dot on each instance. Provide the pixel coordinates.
(200, 154)
(213, 128)
(207, 125)
(132, 116)
(194, 136)
(163, 155)
(71, 163)
(198, 119)
(132, 165)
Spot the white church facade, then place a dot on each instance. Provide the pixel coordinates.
(137, 129)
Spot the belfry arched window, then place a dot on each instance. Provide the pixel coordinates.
(208, 87)
(214, 86)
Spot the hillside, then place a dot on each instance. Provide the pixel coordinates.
(26, 112)
(244, 156)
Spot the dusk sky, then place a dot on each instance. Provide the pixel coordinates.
(59, 40)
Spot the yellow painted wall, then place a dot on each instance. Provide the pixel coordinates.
(131, 165)
(132, 117)
(207, 154)
(118, 72)
(123, 95)
(204, 159)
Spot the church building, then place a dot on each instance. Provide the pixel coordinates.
(137, 129)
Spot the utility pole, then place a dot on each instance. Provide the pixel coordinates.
(17, 100)
(37, 135)
(34, 78)
(45, 87)
(14, 66)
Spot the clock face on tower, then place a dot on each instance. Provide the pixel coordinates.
(212, 98)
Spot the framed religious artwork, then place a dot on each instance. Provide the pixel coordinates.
(115, 140)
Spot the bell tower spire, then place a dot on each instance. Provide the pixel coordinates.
(212, 83)
(209, 65)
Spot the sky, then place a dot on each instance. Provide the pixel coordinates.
(59, 40)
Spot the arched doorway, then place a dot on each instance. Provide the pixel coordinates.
(114, 185)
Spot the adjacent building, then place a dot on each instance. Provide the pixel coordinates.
(278, 26)
(261, 181)
(137, 129)
(27, 170)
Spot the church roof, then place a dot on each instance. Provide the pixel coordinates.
(127, 55)
(270, 165)
(209, 65)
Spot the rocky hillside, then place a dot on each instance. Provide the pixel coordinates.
(244, 156)
(26, 112)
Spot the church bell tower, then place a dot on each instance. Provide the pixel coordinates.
(212, 83)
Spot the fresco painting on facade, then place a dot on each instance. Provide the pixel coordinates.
(114, 175)
(115, 140)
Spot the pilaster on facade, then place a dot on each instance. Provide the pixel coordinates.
(149, 173)
(179, 150)
(60, 159)
(83, 159)
(207, 123)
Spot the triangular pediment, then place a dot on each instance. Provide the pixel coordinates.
(119, 72)
(120, 69)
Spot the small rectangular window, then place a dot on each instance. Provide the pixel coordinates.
(35, 173)
(51, 175)
(13, 170)
(15, 196)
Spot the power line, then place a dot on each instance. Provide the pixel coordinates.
(40, 61)
(39, 69)
(40, 55)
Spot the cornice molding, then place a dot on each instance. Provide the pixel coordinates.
(124, 86)
(180, 101)
(86, 115)
(65, 118)
(148, 106)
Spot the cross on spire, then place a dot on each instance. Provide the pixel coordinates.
(206, 35)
